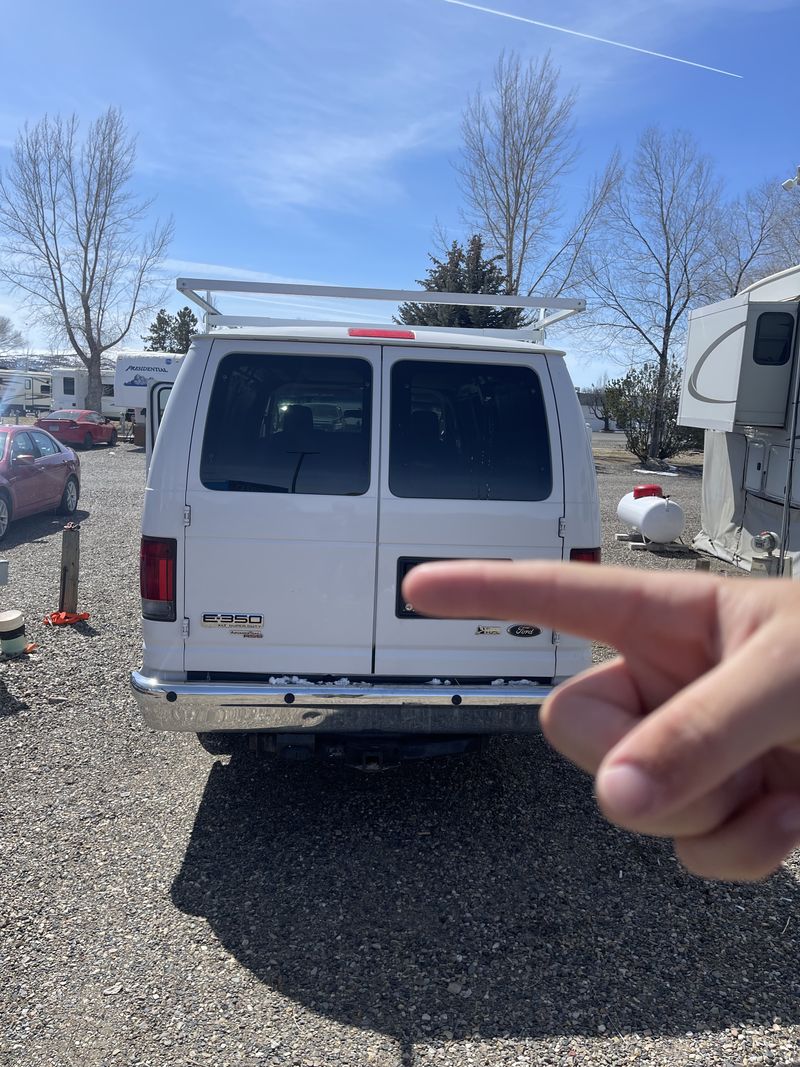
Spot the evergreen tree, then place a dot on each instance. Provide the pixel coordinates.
(185, 329)
(171, 333)
(462, 271)
(159, 337)
(632, 402)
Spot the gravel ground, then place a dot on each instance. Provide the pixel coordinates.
(161, 907)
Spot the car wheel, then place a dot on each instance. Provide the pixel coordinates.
(5, 515)
(112, 439)
(69, 498)
(88, 442)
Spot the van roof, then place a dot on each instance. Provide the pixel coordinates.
(390, 334)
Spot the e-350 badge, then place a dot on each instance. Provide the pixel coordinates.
(229, 620)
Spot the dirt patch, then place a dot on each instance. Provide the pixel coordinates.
(684, 463)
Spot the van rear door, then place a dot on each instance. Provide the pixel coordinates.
(157, 396)
(282, 499)
(473, 469)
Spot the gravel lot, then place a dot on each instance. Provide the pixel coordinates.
(161, 907)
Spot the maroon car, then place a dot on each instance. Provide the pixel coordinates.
(37, 473)
(76, 426)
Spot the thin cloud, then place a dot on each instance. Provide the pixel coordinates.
(591, 37)
(273, 305)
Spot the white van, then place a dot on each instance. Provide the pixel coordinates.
(299, 472)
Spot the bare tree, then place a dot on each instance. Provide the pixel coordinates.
(73, 235)
(9, 336)
(597, 400)
(519, 144)
(756, 235)
(657, 257)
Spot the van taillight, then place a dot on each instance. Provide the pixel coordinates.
(585, 555)
(157, 577)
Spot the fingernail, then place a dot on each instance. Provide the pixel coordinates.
(625, 790)
(789, 818)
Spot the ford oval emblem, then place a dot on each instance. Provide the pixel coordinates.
(522, 629)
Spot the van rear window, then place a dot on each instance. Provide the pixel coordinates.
(468, 431)
(288, 424)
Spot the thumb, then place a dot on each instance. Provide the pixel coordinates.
(702, 736)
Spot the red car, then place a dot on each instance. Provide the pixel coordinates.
(77, 427)
(37, 473)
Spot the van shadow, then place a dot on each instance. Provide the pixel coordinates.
(476, 895)
(9, 705)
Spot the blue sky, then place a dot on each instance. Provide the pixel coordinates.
(311, 140)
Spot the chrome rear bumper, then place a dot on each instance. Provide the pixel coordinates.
(204, 707)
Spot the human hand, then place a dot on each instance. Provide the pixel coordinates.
(693, 732)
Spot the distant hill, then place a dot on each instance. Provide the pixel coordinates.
(46, 361)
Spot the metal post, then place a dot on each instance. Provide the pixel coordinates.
(70, 565)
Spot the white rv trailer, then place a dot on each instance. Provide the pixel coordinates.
(24, 391)
(69, 390)
(741, 383)
(133, 375)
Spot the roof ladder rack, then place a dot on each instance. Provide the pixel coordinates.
(551, 309)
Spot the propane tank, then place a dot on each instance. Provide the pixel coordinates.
(648, 511)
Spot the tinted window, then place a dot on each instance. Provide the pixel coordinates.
(466, 431)
(163, 396)
(3, 442)
(288, 424)
(45, 444)
(69, 387)
(773, 343)
(108, 390)
(22, 445)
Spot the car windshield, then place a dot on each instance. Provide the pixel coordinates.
(65, 414)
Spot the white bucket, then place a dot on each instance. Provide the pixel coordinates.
(12, 632)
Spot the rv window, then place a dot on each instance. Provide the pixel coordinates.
(288, 424)
(773, 343)
(465, 431)
(108, 390)
(69, 387)
(44, 389)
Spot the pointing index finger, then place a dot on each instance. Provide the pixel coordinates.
(618, 606)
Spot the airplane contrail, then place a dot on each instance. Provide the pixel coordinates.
(591, 37)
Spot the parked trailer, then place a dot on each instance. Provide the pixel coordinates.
(134, 374)
(24, 391)
(69, 388)
(741, 383)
